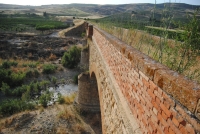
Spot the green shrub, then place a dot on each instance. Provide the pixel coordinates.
(26, 96)
(9, 107)
(53, 80)
(16, 79)
(32, 73)
(18, 91)
(61, 100)
(36, 73)
(4, 75)
(29, 73)
(24, 65)
(45, 98)
(6, 64)
(11, 78)
(5, 88)
(13, 63)
(49, 68)
(71, 58)
(83, 35)
(43, 84)
(32, 65)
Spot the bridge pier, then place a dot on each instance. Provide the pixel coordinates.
(88, 98)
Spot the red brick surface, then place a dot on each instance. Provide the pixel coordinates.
(161, 100)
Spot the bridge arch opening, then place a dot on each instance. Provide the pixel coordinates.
(94, 90)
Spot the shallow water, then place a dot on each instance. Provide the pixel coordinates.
(64, 89)
(17, 41)
(55, 34)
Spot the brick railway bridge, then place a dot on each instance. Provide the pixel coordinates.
(134, 93)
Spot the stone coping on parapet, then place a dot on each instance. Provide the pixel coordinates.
(182, 90)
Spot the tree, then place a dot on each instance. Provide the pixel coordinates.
(71, 58)
(45, 14)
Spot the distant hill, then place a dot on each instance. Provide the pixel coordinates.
(87, 9)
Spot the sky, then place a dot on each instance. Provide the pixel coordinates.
(48, 2)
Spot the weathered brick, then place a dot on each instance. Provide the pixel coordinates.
(190, 129)
(188, 118)
(150, 92)
(160, 91)
(173, 127)
(175, 121)
(165, 117)
(171, 131)
(154, 118)
(155, 104)
(155, 111)
(150, 101)
(158, 100)
(166, 110)
(145, 82)
(182, 129)
(144, 76)
(153, 86)
(162, 121)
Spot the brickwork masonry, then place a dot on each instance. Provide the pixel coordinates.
(133, 87)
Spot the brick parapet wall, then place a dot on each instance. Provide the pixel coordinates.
(76, 30)
(161, 100)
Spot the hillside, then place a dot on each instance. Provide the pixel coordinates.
(94, 9)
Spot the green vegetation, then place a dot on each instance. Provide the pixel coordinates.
(12, 77)
(20, 24)
(53, 80)
(9, 107)
(32, 73)
(49, 68)
(45, 98)
(61, 99)
(24, 94)
(71, 58)
(8, 64)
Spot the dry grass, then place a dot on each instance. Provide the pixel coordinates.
(170, 54)
(78, 128)
(66, 114)
(6, 122)
(22, 65)
(70, 98)
(41, 109)
(61, 130)
(52, 57)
